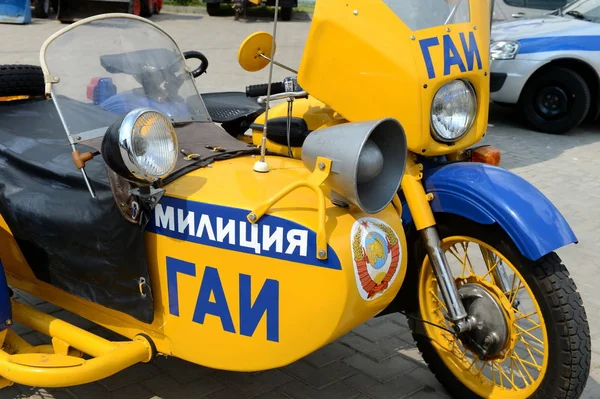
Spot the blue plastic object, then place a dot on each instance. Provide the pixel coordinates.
(15, 11)
(104, 90)
(5, 309)
(487, 195)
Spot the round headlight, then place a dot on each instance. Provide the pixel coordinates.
(142, 146)
(453, 111)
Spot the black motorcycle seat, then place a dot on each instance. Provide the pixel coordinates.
(229, 106)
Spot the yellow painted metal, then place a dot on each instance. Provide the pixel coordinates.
(12, 98)
(15, 344)
(316, 115)
(314, 181)
(59, 346)
(398, 205)
(361, 60)
(485, 378)
(415, 195)
(53, 327)
(249, 53)
(45, 359)
(302, 288)
(68, 375)
(24, 364)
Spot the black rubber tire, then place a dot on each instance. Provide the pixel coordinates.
(560, 303)
(146, 9)
(213, 9)
(55, 5)
(155, 9)
(41, 8)
(286, 13)
(21, 80)
(575, 88)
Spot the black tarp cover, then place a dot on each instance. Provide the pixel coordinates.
(70, 240)
(75, 242)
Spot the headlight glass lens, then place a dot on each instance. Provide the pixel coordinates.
(453, 110)
(504, 50)
(153, 146)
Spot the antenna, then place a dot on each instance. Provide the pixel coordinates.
(261, 165)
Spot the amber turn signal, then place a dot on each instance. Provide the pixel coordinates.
(486, 154)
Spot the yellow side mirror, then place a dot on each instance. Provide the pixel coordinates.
(255, 51)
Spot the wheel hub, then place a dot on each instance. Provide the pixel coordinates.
(491, 332)
(552, 101)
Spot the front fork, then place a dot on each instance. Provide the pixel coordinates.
(418, 203)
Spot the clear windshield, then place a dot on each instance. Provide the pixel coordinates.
(588, 10)
(110, 66)
(423, 14)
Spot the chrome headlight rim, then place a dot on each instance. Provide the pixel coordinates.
(434, 133)
(126, 132)
(499, 52)
(120, 155)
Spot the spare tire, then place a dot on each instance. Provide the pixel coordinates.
(21, 80)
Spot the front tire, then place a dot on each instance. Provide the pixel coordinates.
(555, 101)
(563, 374)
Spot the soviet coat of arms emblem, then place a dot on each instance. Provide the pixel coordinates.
(377, 253)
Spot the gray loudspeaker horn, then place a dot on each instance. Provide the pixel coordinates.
(368, 161)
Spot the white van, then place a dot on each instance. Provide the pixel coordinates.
(511, 9)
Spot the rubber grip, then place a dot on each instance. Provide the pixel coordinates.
(261, 90)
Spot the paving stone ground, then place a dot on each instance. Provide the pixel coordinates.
(378, 359)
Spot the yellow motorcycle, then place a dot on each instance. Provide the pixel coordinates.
(154, 222)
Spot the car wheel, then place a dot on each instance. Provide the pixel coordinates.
(286, 13)
(146, 9)
(41, 8)
(213, 9)
(157, 7)
(555, 100)
(135, 7)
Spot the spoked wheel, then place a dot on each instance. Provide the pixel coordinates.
(532, 340)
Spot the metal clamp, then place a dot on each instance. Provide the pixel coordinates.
(282, 96)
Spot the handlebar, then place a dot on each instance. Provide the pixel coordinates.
(261, 90)
(203, 62)
(283, 96)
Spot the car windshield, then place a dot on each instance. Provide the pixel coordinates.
(588, 10)
(108, 66)
(423, 14)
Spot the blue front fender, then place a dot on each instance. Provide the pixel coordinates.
(487, 195)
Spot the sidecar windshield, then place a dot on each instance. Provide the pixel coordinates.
(423, 14)
(107, 66)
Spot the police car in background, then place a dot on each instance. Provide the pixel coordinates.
(549, 66)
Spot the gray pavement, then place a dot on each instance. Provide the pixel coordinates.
(378, 359)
